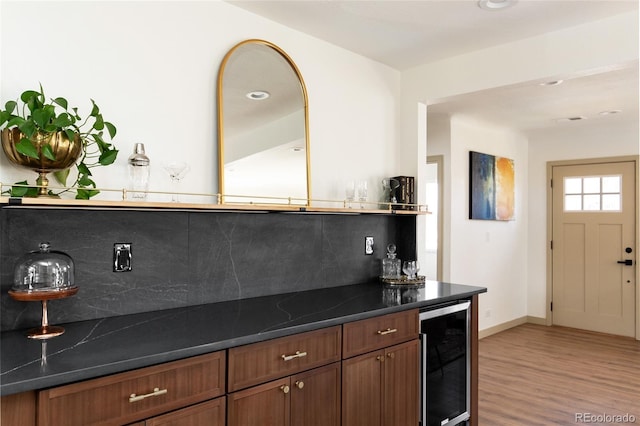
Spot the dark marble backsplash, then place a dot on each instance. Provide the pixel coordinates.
(183, 258)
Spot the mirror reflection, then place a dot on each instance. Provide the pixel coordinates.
(262, 127)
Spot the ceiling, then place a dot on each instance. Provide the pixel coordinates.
(403, 34)
(586, 100)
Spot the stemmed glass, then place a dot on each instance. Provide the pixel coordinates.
(410, 268)
(176, 171)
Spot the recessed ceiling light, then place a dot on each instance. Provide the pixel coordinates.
(494, 5)
(611, 112)
(258, 95)
(552, 83)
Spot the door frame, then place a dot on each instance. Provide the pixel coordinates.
(549, 267)
(439, 161)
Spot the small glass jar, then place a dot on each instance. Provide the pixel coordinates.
(43, 270)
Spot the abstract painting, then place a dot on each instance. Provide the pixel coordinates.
(491, 187)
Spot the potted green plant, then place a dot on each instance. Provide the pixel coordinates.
(49, 136)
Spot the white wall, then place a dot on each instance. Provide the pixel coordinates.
(504, 263)
(583, 141)
(492, 254)
(152, 68)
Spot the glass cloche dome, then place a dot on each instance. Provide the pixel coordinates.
(43, 270)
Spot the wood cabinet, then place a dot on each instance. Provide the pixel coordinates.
(293, 380)
(260, 362)
(18, 409)
(363, 373)
(139, 394)
(265, 404)
(310, 398)
(315, 397)
(401, 384)
(381, 387)
(210, 413)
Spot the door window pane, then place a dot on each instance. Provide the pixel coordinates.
(573, 185)
(593, 193)
(591, 202)
(611, 202)
(611, 184)
(573, 203)
(591, 185)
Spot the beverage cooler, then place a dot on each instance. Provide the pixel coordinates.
(445, 364)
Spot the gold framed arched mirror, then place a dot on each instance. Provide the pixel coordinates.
(263, 127)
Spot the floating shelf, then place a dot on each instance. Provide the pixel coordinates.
(144, 205)
(273, 204)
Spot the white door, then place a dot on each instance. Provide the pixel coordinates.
(593, 237)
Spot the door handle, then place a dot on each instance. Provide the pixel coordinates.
(627, 262)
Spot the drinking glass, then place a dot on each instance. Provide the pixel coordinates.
(362, 192)
(350, 192)
(176, 171)
(409, 268)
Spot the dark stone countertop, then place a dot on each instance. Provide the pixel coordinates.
(95, 348)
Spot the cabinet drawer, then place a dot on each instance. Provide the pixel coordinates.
(134, 395)
(260, 362)
(378, 332)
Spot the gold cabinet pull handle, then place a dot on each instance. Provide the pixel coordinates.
(298, 354)
(380, 358)
(300, 384)
(391, 355)
(387, 331)
(284, 388)
(156, 392)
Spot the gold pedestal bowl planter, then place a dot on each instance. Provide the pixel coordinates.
(66, 153)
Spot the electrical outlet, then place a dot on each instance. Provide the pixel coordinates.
(368, 245)
(121, 257)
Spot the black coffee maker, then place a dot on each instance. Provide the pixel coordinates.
(404, 193)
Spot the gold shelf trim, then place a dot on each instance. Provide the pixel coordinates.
(288, 204)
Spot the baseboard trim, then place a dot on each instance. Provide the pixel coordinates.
(510, 324)
(536, 320)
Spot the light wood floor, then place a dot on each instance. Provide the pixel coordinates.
(537, 375)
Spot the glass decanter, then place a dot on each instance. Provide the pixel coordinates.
(391, 266)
